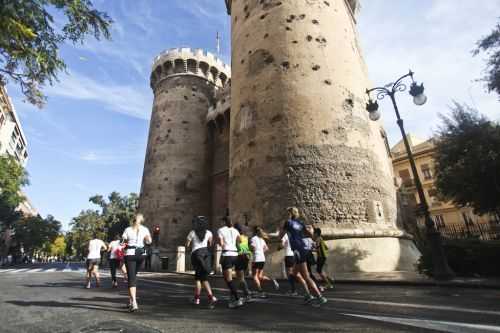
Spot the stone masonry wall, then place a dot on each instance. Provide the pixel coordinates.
(300, 134)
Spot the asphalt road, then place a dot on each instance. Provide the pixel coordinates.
(51, 298)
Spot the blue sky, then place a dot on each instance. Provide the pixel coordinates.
(91, 137)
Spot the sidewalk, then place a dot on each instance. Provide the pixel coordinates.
(405, 279)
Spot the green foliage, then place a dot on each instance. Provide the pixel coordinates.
(30, 38)
(466, 258)
(468, 160)
(58, 247)
(12, 178)
(115, 214)
(83, 228)
(35, 232)
(491, 46)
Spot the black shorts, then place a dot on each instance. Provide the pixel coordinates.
(258, 265)
(320, 264)
(289, 261)
(300, 256)
(242, 262)
(92, 262)
(200, 269)
(228, 262)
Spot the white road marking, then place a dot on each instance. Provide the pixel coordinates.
(416, 306)
(359, 301)
(445, 326)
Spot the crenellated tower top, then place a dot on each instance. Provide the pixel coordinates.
(187, 61)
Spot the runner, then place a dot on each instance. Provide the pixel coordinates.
(241, 266)
(259, 248)
(116, 256)
(200, 240)
(289, 264)
(93, 259)
(135, 236)
(322, 251)
(296, 231)
(310, 247)
(228, 237)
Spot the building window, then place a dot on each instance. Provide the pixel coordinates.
(439, 221)
(405, 177)
(426, 170)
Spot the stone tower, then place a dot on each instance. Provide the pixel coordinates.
(300, 135)
(176, 178)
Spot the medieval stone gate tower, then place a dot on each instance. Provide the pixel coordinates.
(300, 134)
(290, 130)
(176, 178)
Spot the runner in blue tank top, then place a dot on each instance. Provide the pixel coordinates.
(296, 231)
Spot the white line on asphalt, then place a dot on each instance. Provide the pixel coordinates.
(35, 270)
(7, 270)
(359, 301)
(446, 326)
(416, 306)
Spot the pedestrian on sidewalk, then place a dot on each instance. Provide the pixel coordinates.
(259, 248)
(93, 259)
(296, 231)
(116, 259)
(228, 237)
(135, 236)
(322, 250)
(200, 241)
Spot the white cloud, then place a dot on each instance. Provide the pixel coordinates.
(129, 100)
(435, 39)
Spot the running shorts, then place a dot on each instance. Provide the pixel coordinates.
(289, 261)
(92, 262)
(300, 256)
(242, 262)
(228, 262)
(258, 265)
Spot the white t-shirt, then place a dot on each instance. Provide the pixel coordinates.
(229, 236)
(286, 246)
(196, 243)
(114, 246)
(95, 246)
(259, 248)
(135, 238)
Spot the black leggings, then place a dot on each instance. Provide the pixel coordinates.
(133, 264)
(113, 265)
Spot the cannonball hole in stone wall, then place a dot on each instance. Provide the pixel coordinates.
(315, 21)
(309, 38)
(316, 67)
(285, 65)
(328, 82)
(326, 3)
(266, 35)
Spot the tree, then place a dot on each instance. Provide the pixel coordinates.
(30, 38)
(491, 46)
(58, 246)
(34, 232)
(83, 227)
(117, 212)
(12, 178)
(468, 160)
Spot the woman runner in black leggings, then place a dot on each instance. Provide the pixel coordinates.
(135, 236)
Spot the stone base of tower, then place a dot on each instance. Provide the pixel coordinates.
(374, 255)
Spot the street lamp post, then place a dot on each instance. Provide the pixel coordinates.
(441, 270)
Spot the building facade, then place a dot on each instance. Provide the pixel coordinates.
(286, 125)
(12, 138)
(444, 212)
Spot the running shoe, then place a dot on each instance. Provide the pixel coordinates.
(321, 288)
(308, 299)
(134, 307)
(235, 303)
(87, 286)
(212, 302)
(195, 301)
(262, 294)
(320, 301)
(276, 285)
(249, 299)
